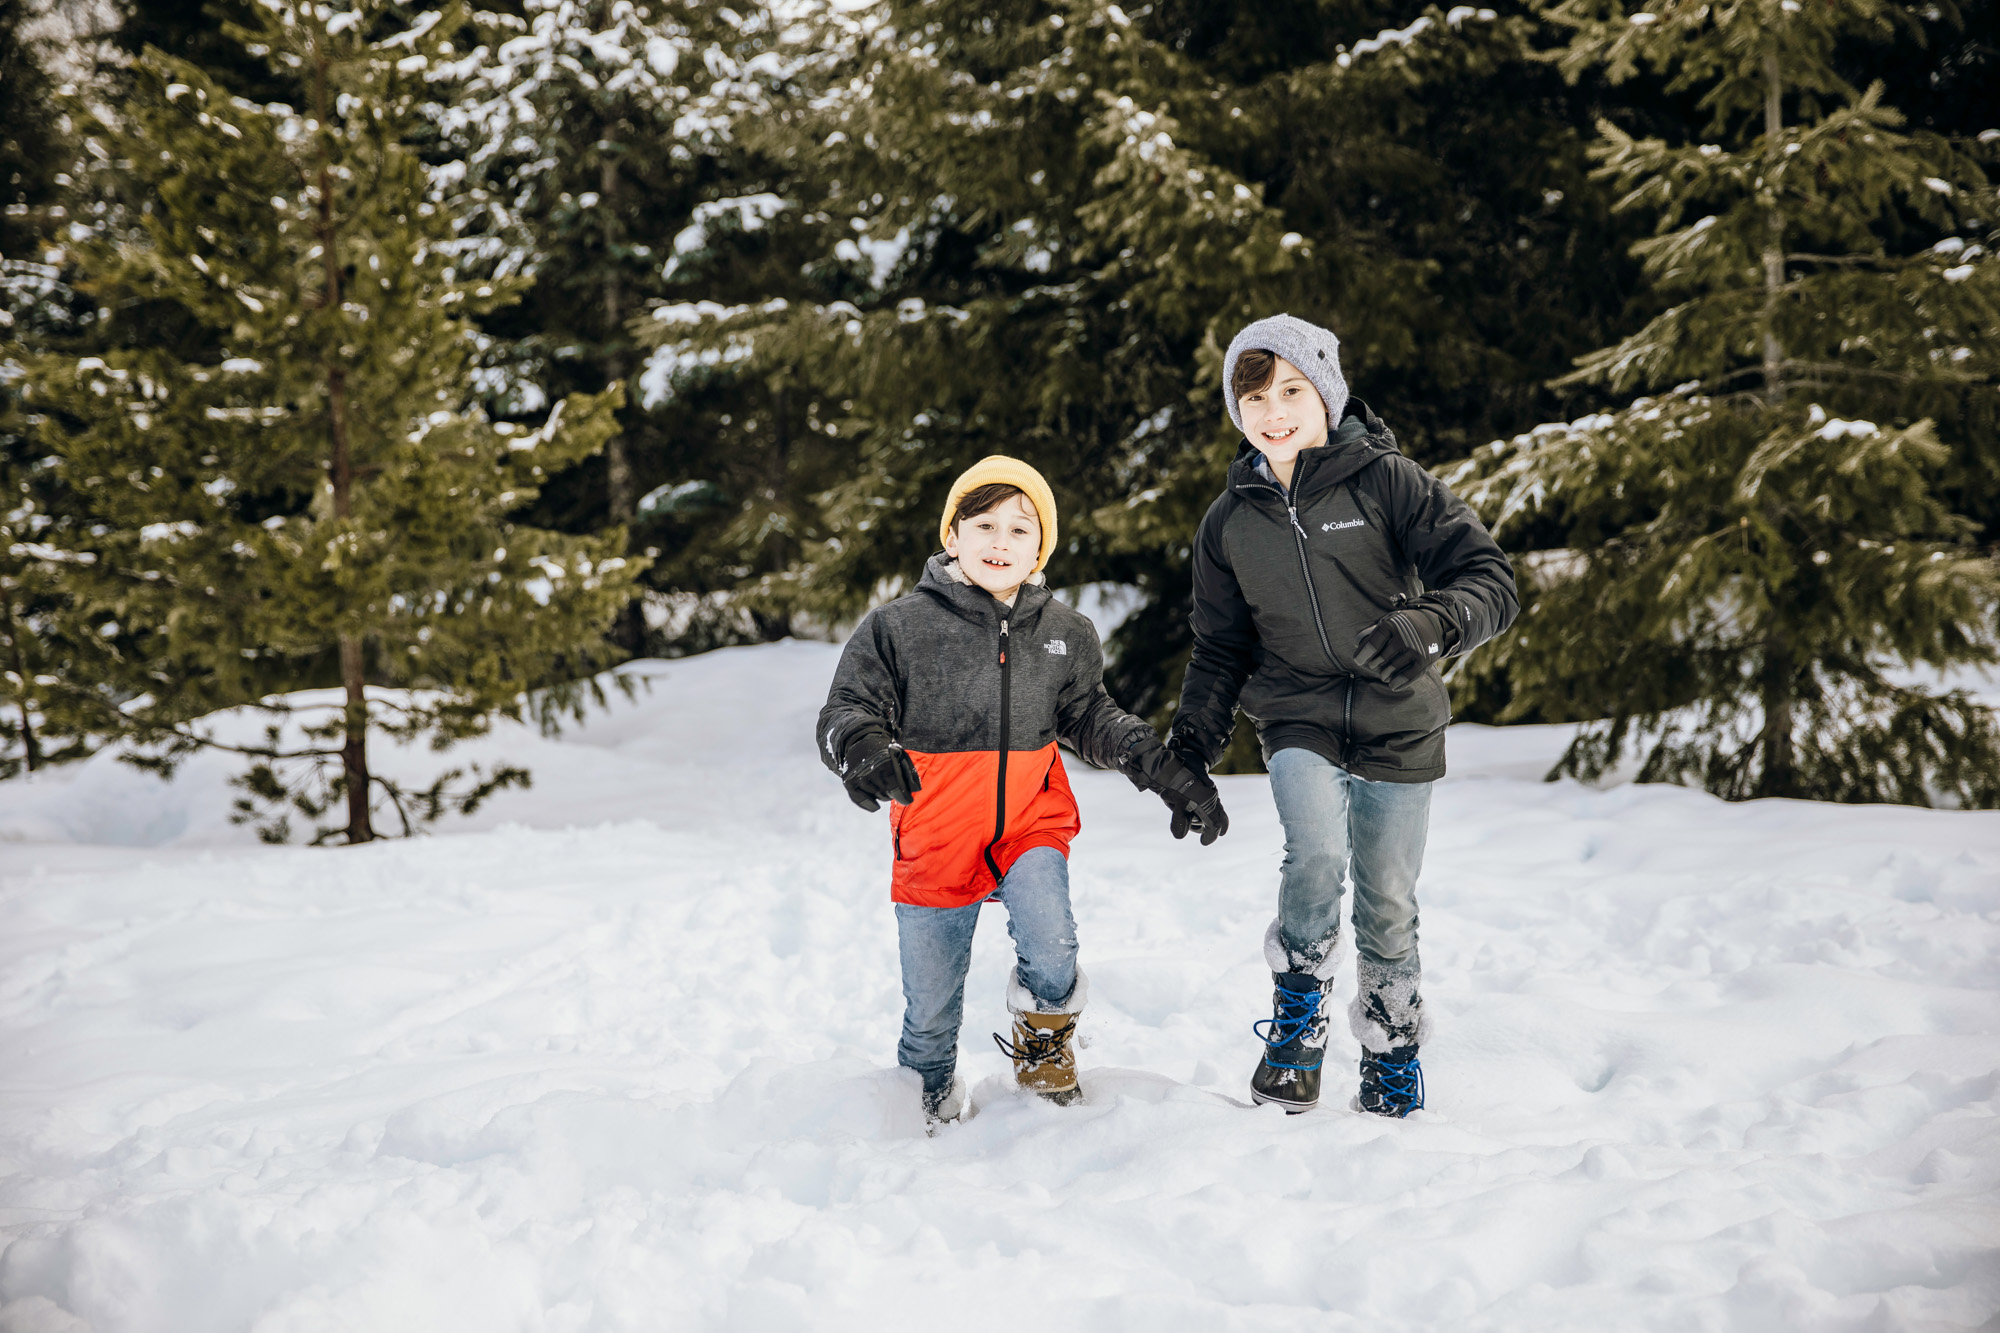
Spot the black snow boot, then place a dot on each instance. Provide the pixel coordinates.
(1392, 1083)
(944, 1105)
(1294, 1044)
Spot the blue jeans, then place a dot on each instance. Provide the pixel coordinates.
(936, 946)
(1337, 824)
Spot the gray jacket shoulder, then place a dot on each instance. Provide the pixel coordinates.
(1059, 613)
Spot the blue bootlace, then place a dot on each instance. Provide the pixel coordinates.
(1296, 1012)
(1402, 1082)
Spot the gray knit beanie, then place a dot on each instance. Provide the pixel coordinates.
(1314, 350)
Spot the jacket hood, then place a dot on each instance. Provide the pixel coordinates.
(1357, 440)
(943, 581)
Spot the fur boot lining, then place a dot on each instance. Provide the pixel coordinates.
(1388, 1007)
(1021, 1000)
(1322, 960)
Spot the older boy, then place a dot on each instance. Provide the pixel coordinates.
(1330, 578)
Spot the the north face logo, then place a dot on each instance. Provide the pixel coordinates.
(1349, 523)
(1056, 648)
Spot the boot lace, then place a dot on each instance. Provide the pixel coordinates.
(1041, 1045)
(1297, 1012)
(1401, 1082)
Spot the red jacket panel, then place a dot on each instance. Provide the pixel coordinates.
(946, 855)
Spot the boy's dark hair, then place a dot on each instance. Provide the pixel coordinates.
(980, 499)
(1255, 369)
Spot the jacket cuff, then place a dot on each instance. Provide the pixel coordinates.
(861, 742)
(1453, 618)
(1139, 759)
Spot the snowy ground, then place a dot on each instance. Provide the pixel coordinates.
(618, 1054)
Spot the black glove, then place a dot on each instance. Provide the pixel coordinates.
(1401, 645)
(1182, 784)
(876, 769)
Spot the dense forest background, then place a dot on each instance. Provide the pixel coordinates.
(1695, 302)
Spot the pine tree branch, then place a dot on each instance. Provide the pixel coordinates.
(254, 752)
(395, 799)
(1822, 373)
(154, 577)
(1879, 261)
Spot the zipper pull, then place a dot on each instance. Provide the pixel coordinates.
(1003, 641)
(1294, 512)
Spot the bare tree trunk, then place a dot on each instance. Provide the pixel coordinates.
(1779, 777)
(618, 468)
(1774, 241)
(778, 546)
(29, 744)
(628, 631)
(354, 750)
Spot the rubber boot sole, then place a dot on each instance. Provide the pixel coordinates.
(1291, 1108)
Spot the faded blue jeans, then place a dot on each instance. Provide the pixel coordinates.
(936, 946)
(1337, 824)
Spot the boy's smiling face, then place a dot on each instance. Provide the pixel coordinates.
(1285, 417)
(997, 549)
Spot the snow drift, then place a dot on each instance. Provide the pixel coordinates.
(618, 1054)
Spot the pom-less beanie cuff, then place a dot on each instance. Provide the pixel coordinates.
(1012, 472)
(1314, 350)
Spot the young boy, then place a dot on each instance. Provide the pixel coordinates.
(948, 703)
(1330, 578)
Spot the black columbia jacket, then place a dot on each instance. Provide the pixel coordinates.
(1285, 584)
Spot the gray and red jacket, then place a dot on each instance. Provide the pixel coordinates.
(978, 693)
(1285, 581)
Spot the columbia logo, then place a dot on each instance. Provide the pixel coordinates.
(1057, 648)
(1350, 523)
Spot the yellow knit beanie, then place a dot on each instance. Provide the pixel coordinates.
(1013, 472)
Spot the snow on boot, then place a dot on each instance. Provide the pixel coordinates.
(1388, 1008)
(1044, 1064)
(1388, 1019)
(1294, 1043)
(944, 1105)
(1392, 1083)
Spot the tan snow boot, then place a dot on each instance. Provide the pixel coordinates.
(1044, 1062)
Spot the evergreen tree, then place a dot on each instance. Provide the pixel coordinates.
(41, 641)
(1016, 253)
(1042, 222)
(588, 128)
(1440, 175)
(307, 479)
(736, 483)
(1740, 562)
